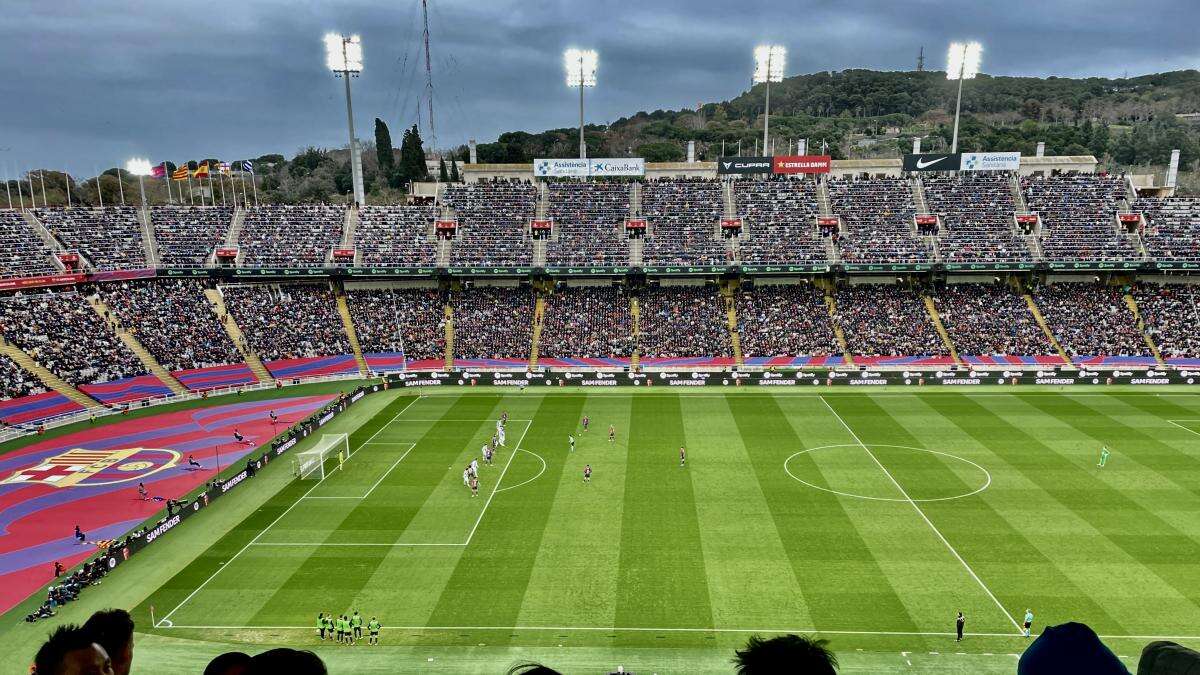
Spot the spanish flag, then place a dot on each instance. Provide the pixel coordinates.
(181, 173)
(201, 170)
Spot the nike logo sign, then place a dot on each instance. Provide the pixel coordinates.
(922, 164)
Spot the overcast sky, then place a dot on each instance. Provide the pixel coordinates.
(89, 84)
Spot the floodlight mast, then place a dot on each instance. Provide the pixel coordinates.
(769, 62)
(580, 65)
(962, 63)
(343, 55)
(140, 168)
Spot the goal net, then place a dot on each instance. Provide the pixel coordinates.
(328, 454)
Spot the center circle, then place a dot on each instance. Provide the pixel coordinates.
(985, 476)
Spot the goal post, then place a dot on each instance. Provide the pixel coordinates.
(329, 453)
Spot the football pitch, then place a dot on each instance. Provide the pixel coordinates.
(869, 519)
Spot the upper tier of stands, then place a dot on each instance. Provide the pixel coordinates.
(22, 252)
(110, 237)
(683, 215)
(187, 235)
(1172, 227)
(977, 213)
(291, 236)
(493, 219)
(1078, 216)
(878, 215)
(779, 217)
(396, 236)
(588, 224)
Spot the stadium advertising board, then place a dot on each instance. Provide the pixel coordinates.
(933, 161)
(991, 161)
(744, 165)
(40, 281)
(889, 267)
(560, 167)
(581, 168)
(1096, 265)
(801, 164)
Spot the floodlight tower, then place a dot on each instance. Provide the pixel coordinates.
(962, 63)
(140, 168)
(769, 62)
(343, 55)
(580, 65)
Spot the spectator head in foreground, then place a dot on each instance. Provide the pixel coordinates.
(229, 663)
(70, 650)
(113, 630)
(531, 669)
(1168, 658)
(785, 654)
(1069, 648)
(285, 660)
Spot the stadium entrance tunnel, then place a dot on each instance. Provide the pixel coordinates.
(924, 475)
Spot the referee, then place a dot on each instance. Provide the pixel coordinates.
(958, 626)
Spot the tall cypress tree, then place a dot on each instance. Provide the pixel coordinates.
(443, 176)
(383, 148)
(454, 177)
(412, 157)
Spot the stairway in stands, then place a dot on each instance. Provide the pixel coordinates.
(47, 378)
(1041, 321)
(135, 346)
(449, 336)
(235, 334)
(348, 324)
(1137, 315)
(837, 329)
(729, 294)
(539, 314)
(941, 329)
(635, 312)
(149, 241)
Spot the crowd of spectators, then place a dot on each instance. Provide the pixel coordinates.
(291, 236)
(886, 320)
(684, 215)
(62, 332)
(493, 220)
(589, 223)
(682, 321)
(987, 319)
(67, 588)
(878, 214)
(22, 252)
(412, 320)
(188, 235)
(779, 222)
(396, 236)
(493, 322)
(1171, 317)
(289, 320)
(1090, 319)
(1172, 227)
(1078, 214)
(173, 320)
(15, 381)
(586, 322)
(785, 320)
(110, 237)
(977, 213)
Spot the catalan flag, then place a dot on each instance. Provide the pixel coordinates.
(201, 170)
(181, 173)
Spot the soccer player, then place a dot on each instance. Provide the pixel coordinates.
(500, 437)
(467, 477)
(959, 622)
(682, 456)
(356, 625)
(474, 486)
(329, 624)
(237, 436)
(373, 627)
(612, 433)
(504, 418)
(1103, 457)
(587, 473)
(586, 422)
(341, 631)
(321, 625)
(474, 467)
(571, 440)
(1028, 621)
(192, 462)
(487, 454)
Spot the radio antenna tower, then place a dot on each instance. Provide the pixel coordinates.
(428, 74)
(921, 60)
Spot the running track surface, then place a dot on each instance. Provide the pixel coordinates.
(43, 494)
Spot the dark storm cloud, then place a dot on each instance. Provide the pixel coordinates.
(90, 84)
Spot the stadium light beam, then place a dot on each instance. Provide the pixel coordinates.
(343, 56)
(962, 63)
(141, 168)
(769, 62)
(580, 66)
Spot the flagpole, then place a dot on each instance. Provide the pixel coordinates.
(121, 185)
(42, 180)
(7, 189)
(167, 180)
(221, 180)
(20, 195)
(32, 194)
(191, 197)
(67, 176)
(254, 184)
(99, 194)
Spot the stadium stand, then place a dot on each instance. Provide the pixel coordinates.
(22, 252)
(683, 325)
(187, 235)
(396, 236)
(15, 381)
(1093, 324)
(977, 212)
(878, 214)
(887, 325)
(493, 218)
(785, 321)
(493, 326)
(780, 220)
(290, 321)
(109, 237)
(1171, 317)
(418, 312)
(683, 216)
(291, 236)
(1077, 214)
(590, 326)
(1172, 227)
(588, 223)
(991, 324)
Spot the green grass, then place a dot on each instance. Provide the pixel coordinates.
(849, 515)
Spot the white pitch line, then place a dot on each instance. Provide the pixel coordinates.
(528, 423)
(1177, 423)
(285, 512)
(924, 517)
(330, 543)
(539, 473)
(447, 419)
(393, 466)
